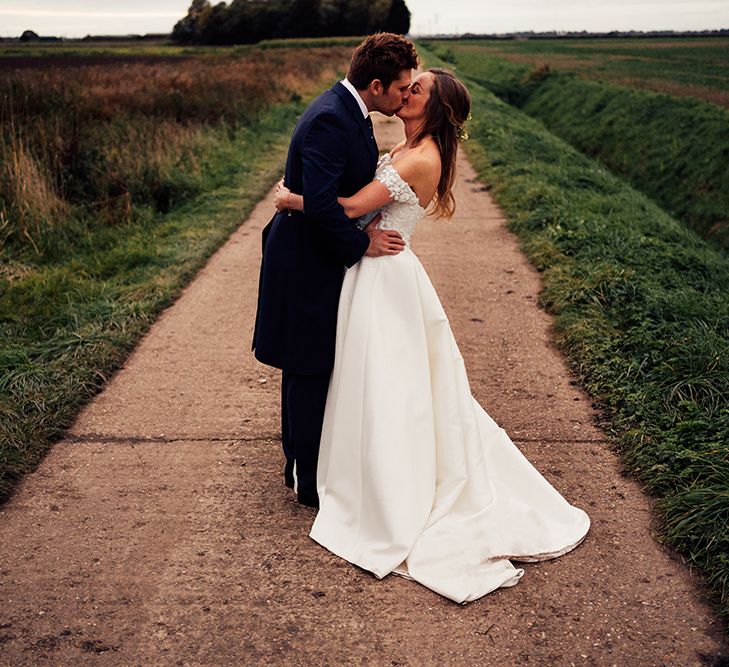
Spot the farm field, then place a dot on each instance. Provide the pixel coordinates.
(11, 52)
(672, 147)
(119, 175)
(692, 67)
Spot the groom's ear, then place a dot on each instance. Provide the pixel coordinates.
(376, 87)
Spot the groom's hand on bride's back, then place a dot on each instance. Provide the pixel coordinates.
(383, 242)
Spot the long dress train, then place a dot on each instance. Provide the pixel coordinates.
(414, 477)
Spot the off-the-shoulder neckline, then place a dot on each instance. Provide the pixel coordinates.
(407, 185)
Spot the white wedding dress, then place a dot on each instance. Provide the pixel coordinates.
(413, 476)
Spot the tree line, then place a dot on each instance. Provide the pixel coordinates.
(249, 21)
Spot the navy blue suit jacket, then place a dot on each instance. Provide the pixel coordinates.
(332, 153)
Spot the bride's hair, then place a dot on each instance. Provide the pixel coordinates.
(446, 112)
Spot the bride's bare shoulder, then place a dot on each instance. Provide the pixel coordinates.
(430, 151)
(397, 148)
(425, 158)
(420, 169)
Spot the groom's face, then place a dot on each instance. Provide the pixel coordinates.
(390, 101)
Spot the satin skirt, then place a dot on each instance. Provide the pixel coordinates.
(414, 477)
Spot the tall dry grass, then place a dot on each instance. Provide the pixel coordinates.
(104, 138)
(28, 191)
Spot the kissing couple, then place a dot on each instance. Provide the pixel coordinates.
(380, 431)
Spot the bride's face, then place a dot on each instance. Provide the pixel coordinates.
(414, 107)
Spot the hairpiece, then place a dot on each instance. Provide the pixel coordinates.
(461, 133)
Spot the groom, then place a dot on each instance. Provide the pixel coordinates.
(332, 154)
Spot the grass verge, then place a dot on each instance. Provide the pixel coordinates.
(641, 308)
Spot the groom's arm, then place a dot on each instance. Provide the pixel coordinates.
(323, 154)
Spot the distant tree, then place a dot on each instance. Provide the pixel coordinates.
(240, 24)
(29, 36)
(185, 30)
(265, 19)
(398, 18)
(358, 18)
(333, 17)
(301, 17)
(213, 25)
(247, 21)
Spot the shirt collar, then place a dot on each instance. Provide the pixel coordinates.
(362, 106)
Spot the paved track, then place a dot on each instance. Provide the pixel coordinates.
(159, 532)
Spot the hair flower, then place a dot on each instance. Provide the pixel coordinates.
(461, 132)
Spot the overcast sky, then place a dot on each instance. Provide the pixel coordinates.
(76, 18)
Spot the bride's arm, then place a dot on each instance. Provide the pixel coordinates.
(420, 172)
(373, 196)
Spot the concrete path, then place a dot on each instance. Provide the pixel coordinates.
(159, 532)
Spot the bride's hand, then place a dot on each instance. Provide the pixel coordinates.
(281, 200)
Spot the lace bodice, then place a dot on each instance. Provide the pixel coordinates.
(404, 211)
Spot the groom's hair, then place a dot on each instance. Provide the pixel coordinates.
(381, 56)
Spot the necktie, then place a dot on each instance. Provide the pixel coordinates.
(369, 125)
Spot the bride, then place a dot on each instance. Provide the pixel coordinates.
(413, 476)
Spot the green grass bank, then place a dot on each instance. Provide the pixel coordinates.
(641, 306)
(674, 149)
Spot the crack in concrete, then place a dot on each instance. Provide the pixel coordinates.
(98, 438)
(573, 441)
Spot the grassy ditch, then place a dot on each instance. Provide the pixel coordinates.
(674, 149)
(94, 247)
(641, 309)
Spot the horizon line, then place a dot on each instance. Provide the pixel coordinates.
(416, 35)
(97, 14)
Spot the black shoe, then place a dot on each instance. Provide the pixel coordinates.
(308, 499)
(289, 474)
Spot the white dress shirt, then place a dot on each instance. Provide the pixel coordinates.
(363, 107)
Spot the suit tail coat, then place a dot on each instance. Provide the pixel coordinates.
(332, 153)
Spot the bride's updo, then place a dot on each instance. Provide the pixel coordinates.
(446, 112)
